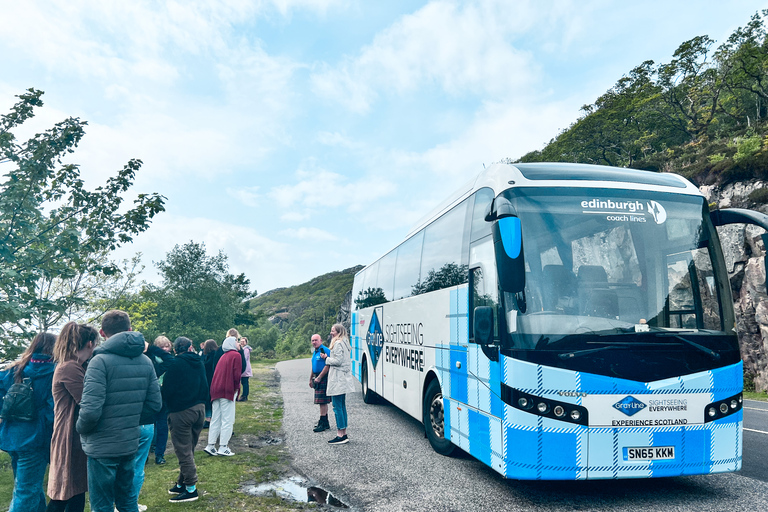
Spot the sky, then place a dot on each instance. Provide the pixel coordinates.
(302, 137)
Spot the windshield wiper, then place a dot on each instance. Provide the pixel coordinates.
(579, 353)
(711, 353)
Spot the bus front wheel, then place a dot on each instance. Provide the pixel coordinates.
(369, 396)
(434, 420)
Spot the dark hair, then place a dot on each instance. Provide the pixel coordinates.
(181, 345)
(42, 343)
(210, 346)
(72, 338)
(114, 322)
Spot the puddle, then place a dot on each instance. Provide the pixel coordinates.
(297, 489)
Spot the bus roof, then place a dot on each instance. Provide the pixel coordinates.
(502, 176)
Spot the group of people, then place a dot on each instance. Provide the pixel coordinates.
(331, 378)
(99, 407)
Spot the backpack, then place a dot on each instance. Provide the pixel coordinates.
(19, 402)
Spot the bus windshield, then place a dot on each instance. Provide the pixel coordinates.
(607, 267)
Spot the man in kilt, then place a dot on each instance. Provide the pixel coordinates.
(319, 381)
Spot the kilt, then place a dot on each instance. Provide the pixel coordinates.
(320, 387)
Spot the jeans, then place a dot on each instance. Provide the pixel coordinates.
(246, 387)
(161, 429)
(110, 484)
(340, 411)
(145, 439)
(28, 472)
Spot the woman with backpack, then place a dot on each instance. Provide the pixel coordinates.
(68, 476)
(25, 431)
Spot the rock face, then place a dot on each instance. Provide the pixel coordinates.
(745, 258)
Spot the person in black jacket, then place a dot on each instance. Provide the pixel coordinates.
(185, 391)
(209, 352)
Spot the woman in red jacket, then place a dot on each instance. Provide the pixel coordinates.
(224, 386)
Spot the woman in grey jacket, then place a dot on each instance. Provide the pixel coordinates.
(339, 380)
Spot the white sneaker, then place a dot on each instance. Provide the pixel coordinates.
(210, 449)
(224, 451)
(142, 508)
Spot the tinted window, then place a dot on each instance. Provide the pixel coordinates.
(407, 269)
(386, 278)
(480, 227)
(441, 261)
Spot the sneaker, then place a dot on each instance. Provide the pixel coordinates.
(224, 451)
(142, 508)
(176, 489)
(184, 496)
(159, 460)
(210, 449)
(339, 440)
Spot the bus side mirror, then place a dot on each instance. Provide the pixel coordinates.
(482, 325)
(508, 247)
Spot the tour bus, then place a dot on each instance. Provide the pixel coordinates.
(561, 321)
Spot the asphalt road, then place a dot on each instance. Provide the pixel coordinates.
(388, 465)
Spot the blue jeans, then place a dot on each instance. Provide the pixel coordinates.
(340, 411)
(110, 484)
(145, 440)
(161, 429)
(28, 472)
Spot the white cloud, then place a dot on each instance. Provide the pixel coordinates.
(317, 187)
(310, 234)
(462, 48)
(249, 196)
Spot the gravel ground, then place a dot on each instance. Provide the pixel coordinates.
(389, 465)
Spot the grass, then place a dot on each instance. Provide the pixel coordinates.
(756, 395)
(259, 457)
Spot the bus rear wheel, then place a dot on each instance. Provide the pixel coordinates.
(434, 420)
(369, 396)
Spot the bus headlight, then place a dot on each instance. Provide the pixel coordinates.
(723, 408)
(540, 406)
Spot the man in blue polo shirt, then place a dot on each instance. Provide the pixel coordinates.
(319, 381)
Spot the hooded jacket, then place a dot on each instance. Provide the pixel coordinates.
(226, 375)
(185, 384)
(30, 435)
(120, 390)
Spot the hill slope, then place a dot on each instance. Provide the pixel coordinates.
(289, 316)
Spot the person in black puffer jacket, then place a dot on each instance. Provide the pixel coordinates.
(119, 394)
(185, 391)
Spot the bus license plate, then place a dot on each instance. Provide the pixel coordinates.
(650, 453)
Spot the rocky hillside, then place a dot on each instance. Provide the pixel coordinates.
(745, 257)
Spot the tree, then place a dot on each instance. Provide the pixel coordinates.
(51, 226)
(198, 297)
(87, 295)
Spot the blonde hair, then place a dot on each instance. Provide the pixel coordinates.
(233, 332)
(341, 334)
(162, 341)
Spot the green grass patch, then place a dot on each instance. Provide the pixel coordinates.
(259, 457)
(756, 395)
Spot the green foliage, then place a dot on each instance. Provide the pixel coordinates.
(370, 297)
(53, 229)
(746, 147)
(198, 298)
(683, 115)
(297, 312)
